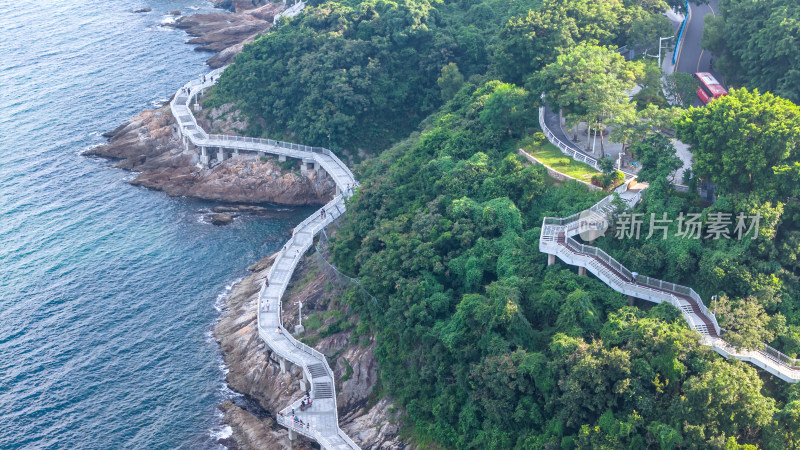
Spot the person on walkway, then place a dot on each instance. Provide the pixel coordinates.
(633, 277)
(293, 412)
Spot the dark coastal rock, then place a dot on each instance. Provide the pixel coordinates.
(148, 144)
(225, 34)
(242, 209)
(142, 10)
(222, 219)
(239, 5)
(253, 371)
(175, 12)
(250, 431)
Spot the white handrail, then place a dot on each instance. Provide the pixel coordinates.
(188, 128)
(573, 252)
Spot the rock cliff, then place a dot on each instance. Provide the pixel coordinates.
(224, 33)
(253, 371)
(148, 144)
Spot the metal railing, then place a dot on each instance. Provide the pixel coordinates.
(189, 128)
(200, 138)
(565, 149)
(653, 289)
(680, 34)
(782, 358)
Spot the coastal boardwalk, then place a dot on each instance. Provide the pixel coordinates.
(557, 239)
(319, 422)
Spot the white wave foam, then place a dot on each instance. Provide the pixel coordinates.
(223, 432)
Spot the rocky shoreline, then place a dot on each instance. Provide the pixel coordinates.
(253, 370)
(148, 145)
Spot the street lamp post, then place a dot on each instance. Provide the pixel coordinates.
(299, 327)
(660, 40)
(714, 297)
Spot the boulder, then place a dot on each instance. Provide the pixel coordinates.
(222, 219)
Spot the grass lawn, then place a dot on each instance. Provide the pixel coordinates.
(552, 156)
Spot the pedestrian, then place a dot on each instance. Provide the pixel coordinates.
(633, 277)
(292, 411)
(266, 281)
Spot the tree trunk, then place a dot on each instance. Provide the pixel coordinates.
(602, 142)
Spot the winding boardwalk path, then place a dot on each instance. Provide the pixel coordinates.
(557, 239)
(321, 421)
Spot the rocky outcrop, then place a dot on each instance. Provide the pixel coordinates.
(254, 372)
(225, 34)
(239, 5)
(148, 144)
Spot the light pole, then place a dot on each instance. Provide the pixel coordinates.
(299, 327)
(660, 40)
(714, 297)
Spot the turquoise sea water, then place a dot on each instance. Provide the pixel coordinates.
(108, 292)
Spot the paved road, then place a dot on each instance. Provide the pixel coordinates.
(692, 57)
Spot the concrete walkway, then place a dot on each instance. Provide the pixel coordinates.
(557, 240)
(321, 421)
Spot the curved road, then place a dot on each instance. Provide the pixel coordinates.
(692, 57)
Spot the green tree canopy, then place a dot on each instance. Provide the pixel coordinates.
(589, 83)
(746, 142)
(757, 44)
(658, 158)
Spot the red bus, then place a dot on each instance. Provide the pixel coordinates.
(709, 87)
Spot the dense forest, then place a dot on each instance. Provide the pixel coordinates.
(757, 44)
(481, 343)
(361, 75)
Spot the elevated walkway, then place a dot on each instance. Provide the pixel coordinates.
(321, 421)
(557, 240)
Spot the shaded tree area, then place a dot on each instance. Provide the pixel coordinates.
(484, 345)
(756, 43)
(747, 143)
(530, 42)
(361, 75)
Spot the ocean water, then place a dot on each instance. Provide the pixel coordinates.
(108, 292)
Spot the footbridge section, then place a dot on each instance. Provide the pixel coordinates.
(557, 239)
(320, 421)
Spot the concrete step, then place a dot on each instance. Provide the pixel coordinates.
(323, 390)
(317, 371)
